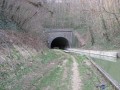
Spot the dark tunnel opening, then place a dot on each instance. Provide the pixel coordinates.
(60, 43)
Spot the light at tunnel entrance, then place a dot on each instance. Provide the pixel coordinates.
(60, 43)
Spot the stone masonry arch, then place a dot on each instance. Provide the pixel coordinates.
(59, 38)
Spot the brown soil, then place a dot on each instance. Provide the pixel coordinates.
(76, 79)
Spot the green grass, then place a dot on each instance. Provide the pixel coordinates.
(84, 70)
(47, 76)
(14, 54)
(48, 56)
(67, 82)
(52, 80)
(12, 72)
(90, 77)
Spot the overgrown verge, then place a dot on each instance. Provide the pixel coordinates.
(26, 69)
(91, 78)
(21, 73)
(58, 78)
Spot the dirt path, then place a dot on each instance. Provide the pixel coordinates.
(76, 80)
(65, 70)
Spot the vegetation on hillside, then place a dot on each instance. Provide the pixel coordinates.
(26, 63)
(20, 72)
(51, 69)
(97, 21)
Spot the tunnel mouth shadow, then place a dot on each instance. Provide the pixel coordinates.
(60, 43)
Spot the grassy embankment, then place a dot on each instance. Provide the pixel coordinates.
(43, 71)
(34, 72)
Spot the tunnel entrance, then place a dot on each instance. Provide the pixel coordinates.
(60, 43)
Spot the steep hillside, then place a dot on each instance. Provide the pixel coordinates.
(9, 38)
(97, 21)
(28, 15)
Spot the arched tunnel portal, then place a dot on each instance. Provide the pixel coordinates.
(60, 43)
(59, 38)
